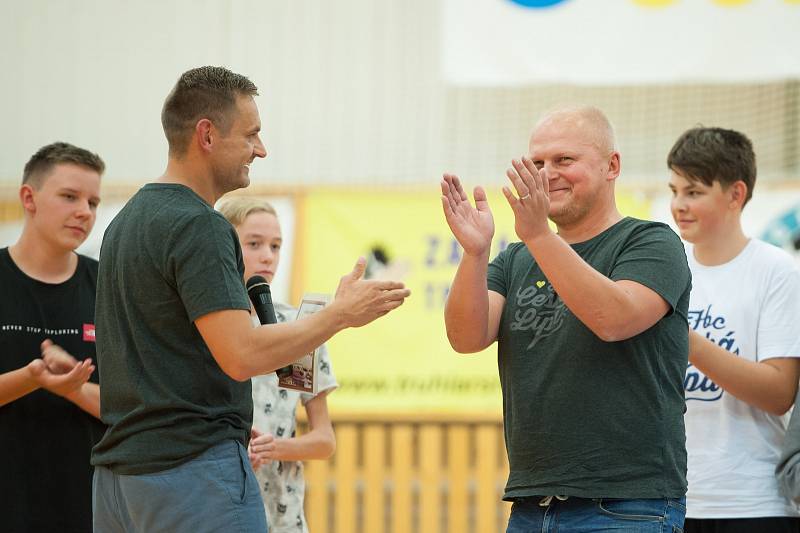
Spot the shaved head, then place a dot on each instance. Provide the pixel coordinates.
(586, 119)
(575, 148)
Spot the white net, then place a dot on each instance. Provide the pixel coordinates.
(485, 127)
(357, 98)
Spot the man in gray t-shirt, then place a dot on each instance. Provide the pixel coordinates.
(592, 335)
(176, 347)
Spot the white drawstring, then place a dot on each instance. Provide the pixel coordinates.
(544, 502)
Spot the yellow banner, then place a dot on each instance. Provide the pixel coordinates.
(403, 362)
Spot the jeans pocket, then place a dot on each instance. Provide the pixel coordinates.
(678, 504)
(676, 514)
(232, 466)
(644, 510)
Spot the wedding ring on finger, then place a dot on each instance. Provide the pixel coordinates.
(525, 197)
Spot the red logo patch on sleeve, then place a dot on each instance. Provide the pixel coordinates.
(88, 332)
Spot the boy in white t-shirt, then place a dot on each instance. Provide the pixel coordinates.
(743, 344)
(275, 453)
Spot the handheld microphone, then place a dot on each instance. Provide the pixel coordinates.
(260, 295)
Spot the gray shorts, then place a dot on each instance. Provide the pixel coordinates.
(214, 492)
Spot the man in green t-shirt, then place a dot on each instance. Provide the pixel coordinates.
(592, 335)
(176, 346)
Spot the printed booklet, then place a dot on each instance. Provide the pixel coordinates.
(302, 374)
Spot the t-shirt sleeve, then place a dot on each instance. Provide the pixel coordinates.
(205, 263)
(496, 275)
(654, 256)
(326, 380)
(777, 323)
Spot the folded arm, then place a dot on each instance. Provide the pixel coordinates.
(613, 310)
(318, 443)
(87, 397)
(36, 375)
(769, 385)
(16, 384)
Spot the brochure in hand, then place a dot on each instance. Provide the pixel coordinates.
(303, 375)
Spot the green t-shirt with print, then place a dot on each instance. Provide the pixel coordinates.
(584, 417)
(167, 259)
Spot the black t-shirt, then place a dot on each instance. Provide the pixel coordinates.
(584, 417)
(45, 440)
(167, 259)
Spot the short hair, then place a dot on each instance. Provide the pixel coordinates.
(237, 209)
(42, 162)
(715, 154)
(203, 92)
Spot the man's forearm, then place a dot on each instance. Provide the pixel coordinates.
(243, 351)
(268, 348)
(466, 313)
(602, 305)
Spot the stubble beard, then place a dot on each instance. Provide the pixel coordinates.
(228, 180)
(569, 213)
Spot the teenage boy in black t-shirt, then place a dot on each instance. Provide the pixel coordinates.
(49, 405)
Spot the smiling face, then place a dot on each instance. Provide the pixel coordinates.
(261, 240)
(236, 150)
(63, 208)
(703, 213)
(580, 164)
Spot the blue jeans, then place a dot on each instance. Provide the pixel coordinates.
(216, 491)
(580, 515)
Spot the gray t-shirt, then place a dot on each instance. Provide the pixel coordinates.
(167, 259)
(584, 417)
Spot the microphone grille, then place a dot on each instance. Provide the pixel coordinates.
(256, 280)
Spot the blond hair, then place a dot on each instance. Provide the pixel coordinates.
(237, 209)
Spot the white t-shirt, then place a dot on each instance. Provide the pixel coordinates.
(751, 307)
(282, 484)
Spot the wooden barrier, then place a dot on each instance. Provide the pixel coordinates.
(410, 474)
(11, 210)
